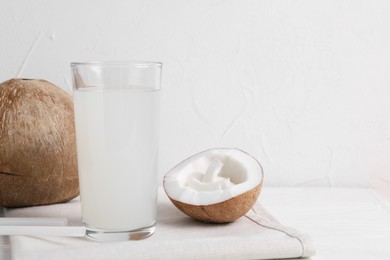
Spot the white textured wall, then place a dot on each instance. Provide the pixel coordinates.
(304, 86)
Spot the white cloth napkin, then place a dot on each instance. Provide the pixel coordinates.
(258, 235)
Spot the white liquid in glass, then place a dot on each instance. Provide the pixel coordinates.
(117, 146)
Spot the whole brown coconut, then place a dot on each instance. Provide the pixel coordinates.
(38, 160)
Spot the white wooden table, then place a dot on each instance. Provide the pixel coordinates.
(345, 223)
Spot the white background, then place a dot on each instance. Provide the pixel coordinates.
(304, 86)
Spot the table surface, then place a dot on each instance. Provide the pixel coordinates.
(345, 223)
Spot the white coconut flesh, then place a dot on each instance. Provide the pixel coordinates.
(213, 176)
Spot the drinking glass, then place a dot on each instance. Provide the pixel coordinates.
(116, 106)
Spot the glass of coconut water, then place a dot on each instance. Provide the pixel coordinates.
(116, 107)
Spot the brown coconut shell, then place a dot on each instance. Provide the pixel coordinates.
(38, 160)
(223, 212)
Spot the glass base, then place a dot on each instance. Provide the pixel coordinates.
(115, 235)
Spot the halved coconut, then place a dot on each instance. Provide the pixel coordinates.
(216, 185)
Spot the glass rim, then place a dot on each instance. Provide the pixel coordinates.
(118, 63)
